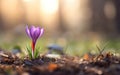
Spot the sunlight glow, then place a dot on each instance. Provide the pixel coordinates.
(49, 6)
(27, 0)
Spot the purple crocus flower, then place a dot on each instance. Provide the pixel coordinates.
(34, 33)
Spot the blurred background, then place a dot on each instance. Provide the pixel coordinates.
(76, 25)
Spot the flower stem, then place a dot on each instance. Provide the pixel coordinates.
(33, 48)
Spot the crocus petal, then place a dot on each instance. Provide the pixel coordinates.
(27, 31)
(32, 30)
(36, 33)
(41, 32)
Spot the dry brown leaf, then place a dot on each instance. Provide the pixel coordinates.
(86, 57)
(52, 66)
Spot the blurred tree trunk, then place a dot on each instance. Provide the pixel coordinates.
(61, 26)
(1, 20)
(98, 17)
(101, 21)
(117, 6)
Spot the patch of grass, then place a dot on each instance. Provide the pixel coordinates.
(73, 47)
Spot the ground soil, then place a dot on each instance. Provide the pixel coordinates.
(103, 64)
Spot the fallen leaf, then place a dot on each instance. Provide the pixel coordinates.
(52, 67)
(86, 57)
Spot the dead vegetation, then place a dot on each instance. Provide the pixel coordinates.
(102, 64)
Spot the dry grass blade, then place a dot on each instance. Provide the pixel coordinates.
(98, 49)
(101, 50)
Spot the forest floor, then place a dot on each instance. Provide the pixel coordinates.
(102, 64)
